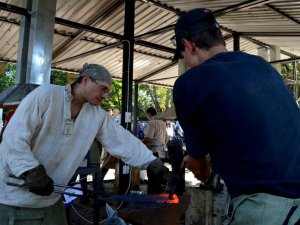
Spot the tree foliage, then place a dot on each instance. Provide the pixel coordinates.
(58, 77)
(288, 72)
(114, 99)
(157, 97)
(8, 78)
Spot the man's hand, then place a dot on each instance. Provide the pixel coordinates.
(200, 167)
(38, 181)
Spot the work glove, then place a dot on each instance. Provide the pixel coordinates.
(155, 172)
(38, 181)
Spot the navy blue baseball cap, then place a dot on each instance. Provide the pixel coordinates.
(193, 22)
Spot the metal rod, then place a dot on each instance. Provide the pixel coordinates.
(55, 185)
(54, 191)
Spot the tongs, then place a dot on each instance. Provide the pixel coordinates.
(160, 199)
(55, 185)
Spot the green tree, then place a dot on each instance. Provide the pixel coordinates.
(9, 77)
(114, 99)
(287, 70)
(288, 73)
(58, 77)
(153, 96)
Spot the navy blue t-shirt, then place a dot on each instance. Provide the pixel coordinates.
(236, 107)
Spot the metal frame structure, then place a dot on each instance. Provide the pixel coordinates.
(139, 39)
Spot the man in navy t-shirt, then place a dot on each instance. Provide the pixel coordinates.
(236, 108)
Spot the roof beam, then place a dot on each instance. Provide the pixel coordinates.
(285, 60)
(262, 44)
(94, 51)
(155, 32)
(164, 29)
(93, 21)
(14, 9)
(220, 12)
(68, 23)
(293, 56)
(147, 44)
(156, 71)
(164, 78)
(162, 5)
(274, 34)
(80, 26)
(243, 5)
(282, 14)
(155, 46)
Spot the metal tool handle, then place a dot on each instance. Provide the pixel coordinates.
(54, 191)
(61, 185)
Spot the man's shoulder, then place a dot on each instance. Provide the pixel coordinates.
(158, 122)
(44, 92)
(49, 88)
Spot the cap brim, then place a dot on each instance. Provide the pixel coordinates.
(177, 55)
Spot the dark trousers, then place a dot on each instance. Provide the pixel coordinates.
(154, 181)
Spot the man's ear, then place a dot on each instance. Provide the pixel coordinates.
(85, 80)
(189, 45)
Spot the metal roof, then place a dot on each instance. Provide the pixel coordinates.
(92, 31)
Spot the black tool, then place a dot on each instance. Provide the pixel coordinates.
(54, 191)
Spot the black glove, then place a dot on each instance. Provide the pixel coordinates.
(38, 181)
(155, 172)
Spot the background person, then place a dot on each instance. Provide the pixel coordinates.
(175, 157)
(47, 138)
(236, 108)
(155, 134)
(170, 127)
(155, 137)
(116, 115)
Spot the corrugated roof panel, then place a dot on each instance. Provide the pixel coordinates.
(290, 44)
(87, 11)
(114, 22)
(149, 18)
(268, 16)
(144, 65)
(167, 77)
(191, 4)
(258, 20)
(9, 41)
(78, 48)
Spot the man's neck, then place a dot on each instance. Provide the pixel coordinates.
(204, 55)
(77, 102)
(215, 50)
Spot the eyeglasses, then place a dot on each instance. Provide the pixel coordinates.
(173, 40)
(102, 88)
